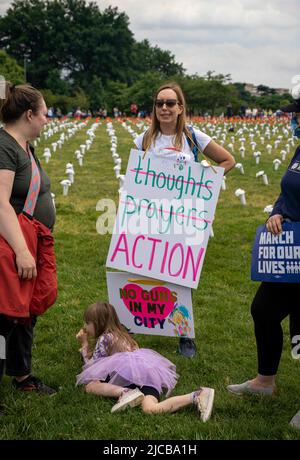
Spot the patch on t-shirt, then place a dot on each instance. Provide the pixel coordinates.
(295, 167)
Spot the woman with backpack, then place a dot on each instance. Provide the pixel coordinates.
(170, 137)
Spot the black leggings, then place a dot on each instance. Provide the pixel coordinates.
(272, 303)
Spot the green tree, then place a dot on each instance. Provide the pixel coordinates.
(56, 83)
(143, 90)
(68, 36)
(273, 101)
(96, 93)
(50, 98)
(71, 44)
(10, 70)
(209, 93)
(265, 90)
(80, 99)
(147, 58)
(115, 95)
(243, 95)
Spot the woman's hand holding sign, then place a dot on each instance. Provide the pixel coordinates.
(274, 224)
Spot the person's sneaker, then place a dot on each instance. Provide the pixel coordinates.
(187, 347)
(295, 422)
(32, 383)
(204, 401)
(246, 387)
(130, 398)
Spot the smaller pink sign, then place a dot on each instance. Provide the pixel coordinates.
(147, 306)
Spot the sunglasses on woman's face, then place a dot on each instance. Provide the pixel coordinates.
(170, 103)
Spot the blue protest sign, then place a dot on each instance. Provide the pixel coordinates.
(276, 258)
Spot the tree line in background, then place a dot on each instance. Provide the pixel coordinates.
(81, 56)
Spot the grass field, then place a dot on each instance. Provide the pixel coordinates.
(224, 329)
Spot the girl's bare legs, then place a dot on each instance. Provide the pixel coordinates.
(203, 399)
(151, 405)
(104, 389)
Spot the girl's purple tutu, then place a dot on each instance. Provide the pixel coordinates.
(142, 367)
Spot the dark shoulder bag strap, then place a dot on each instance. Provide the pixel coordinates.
(192, 141)
(143, 141)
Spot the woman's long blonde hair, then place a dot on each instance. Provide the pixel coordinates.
(181, 128)
(104, 318)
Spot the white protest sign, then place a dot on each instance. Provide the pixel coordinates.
(152, 307)
(164, 218)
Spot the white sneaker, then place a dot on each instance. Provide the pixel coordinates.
(204, 402)
(246, 387)
(130, 398)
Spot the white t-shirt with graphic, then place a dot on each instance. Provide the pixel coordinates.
(163, 146)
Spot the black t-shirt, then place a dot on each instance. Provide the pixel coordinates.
(14, 158)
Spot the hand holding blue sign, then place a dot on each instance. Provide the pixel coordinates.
(274, 224)
(276, 256)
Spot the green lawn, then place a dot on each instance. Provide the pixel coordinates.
(224, 329)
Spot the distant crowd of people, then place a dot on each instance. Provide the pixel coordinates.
(252, 113)
(102, 112)
(134, 111)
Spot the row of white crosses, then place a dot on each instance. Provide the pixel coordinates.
(131, 131)
(83, 148)
(53, 128)
(115, 156)
(220, 133)
(66, 183)
(70, 127)
(142, 125)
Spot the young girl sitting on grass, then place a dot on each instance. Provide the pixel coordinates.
(118, 368)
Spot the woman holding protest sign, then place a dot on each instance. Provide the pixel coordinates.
(169, 136)
(28, 283)
(274, 301)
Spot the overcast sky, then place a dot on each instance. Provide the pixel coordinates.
(256, 41)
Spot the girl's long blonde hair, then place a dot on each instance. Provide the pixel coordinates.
(181, 128)
(104, 318)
